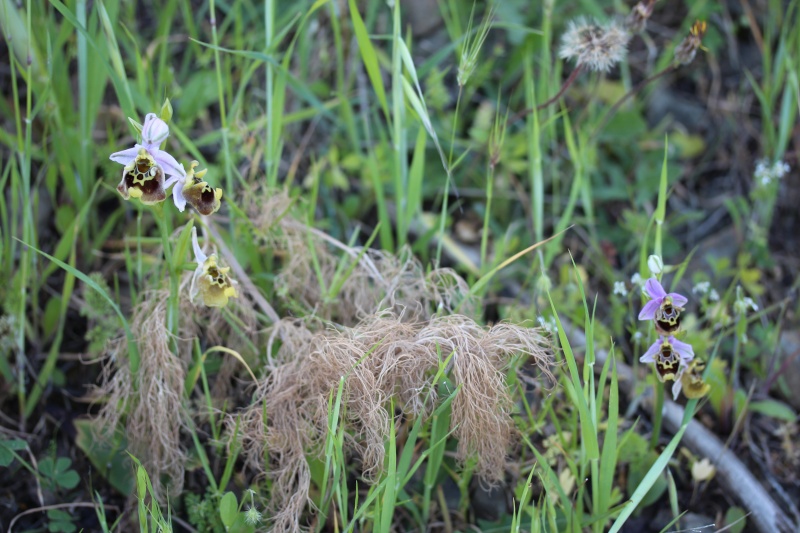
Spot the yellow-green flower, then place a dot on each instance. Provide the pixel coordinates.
(211, 281)
(196, 192)
(691, 381)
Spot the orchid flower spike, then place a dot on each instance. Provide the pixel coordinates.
(146, 165)
(665, 309)
(210, 282)
(669, 356)
(197, 192)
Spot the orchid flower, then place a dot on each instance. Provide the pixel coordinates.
(210, 281)
(197, 192)
(669, 356)
(665, 309)
(146, 165)
(690, 380)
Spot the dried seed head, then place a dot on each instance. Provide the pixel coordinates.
(637, 19)
(594, 45)
(685, 52)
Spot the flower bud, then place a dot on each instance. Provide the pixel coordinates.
(166, 111)
(155, 131)
(655, 264)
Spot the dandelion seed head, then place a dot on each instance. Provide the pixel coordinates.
(597, 46)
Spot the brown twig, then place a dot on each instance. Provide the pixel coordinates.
(572, 77)
(641, 85)
(57, 506)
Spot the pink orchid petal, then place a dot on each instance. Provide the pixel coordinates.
(649, 355)
(677, 386)
(678, 299)
(649, 310)
(125, 157)
(685, 350)
(168, 163)
(654, 289)
(177, 194)
(199, 256)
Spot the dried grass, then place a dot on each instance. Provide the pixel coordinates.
(385, 355)
(152, 409)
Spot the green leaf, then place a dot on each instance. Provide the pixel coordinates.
(6, 450)
(369, 57)
(106, 454)
(228, 509)
(774, 409)
(735, 519)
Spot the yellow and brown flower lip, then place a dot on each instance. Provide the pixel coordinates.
(668, 318)
(197, 192)
(212, 283)
(143, 179)
(669, 355)
(692, 380)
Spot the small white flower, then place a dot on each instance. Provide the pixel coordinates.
(744, 304)
(767, 173)
(638, 336)
(636, 279)
(619, 288)
(549, 325)
(655, 264)
(701, 287)
(713, 295)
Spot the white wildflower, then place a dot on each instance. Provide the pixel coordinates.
(636, 279)
(713, 295)
(701, 287)
(619, 288)
(767, 173)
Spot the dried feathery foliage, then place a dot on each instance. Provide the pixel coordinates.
(594, 45)
(152, 410)
(378, 281)
(385, 355)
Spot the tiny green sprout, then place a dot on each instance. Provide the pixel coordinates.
(166, 111)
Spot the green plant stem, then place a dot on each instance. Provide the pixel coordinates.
(658, 408)
(173, 301)
(443, 216)
(223, 118)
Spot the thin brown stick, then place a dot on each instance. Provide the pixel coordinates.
(572, 77)
(57, 506)
(641, 85)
